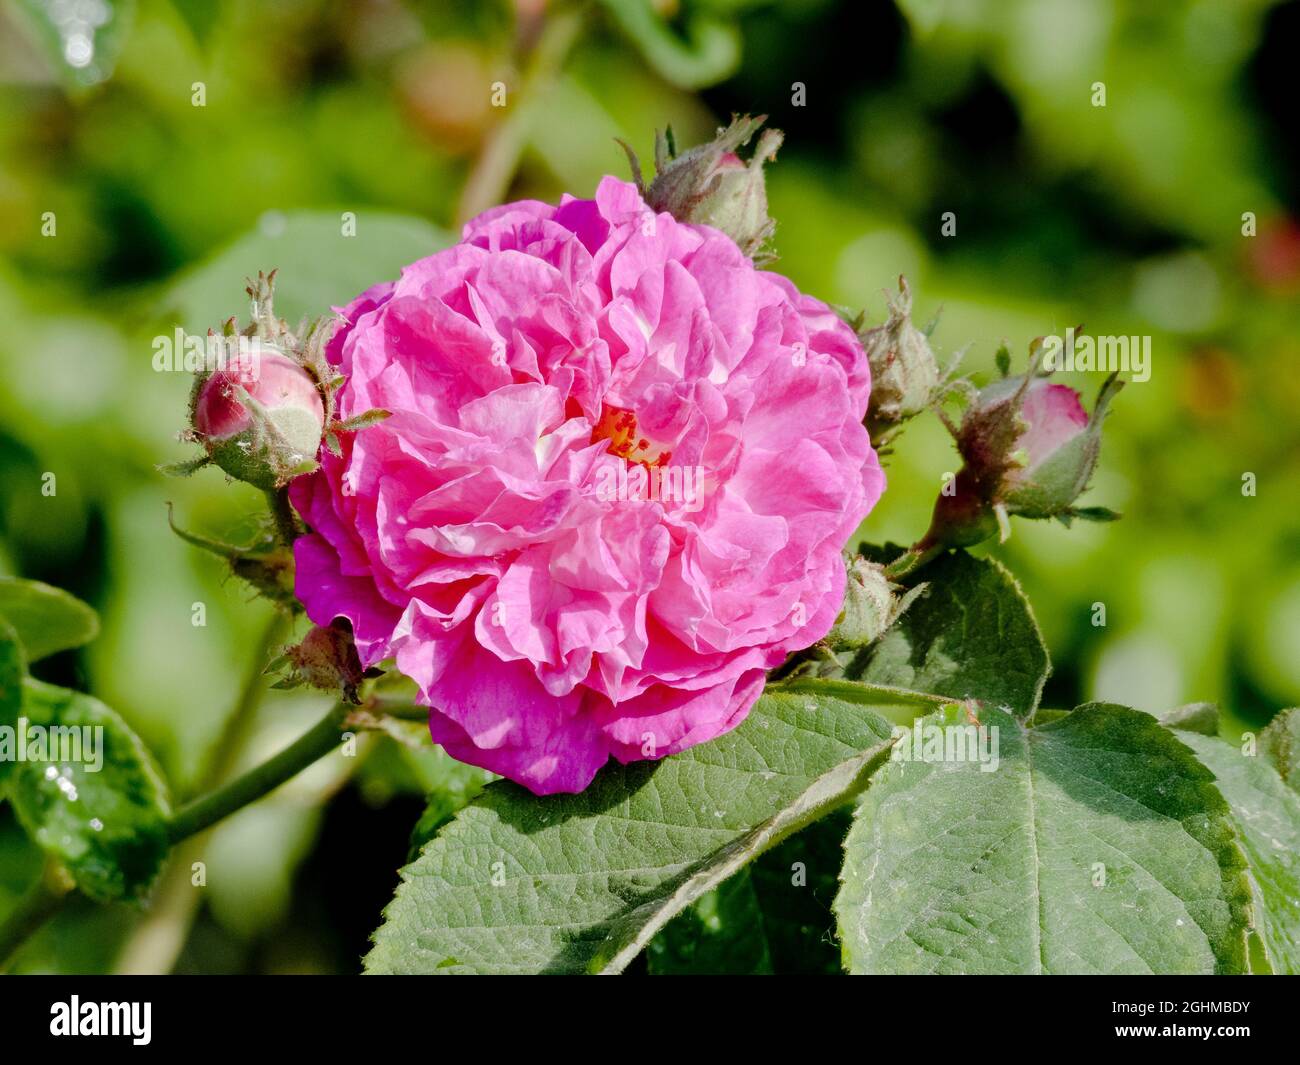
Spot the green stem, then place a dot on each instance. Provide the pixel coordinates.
(286, 524)
(403, 711)
(310, 747)
(43, 900)
(911, 561)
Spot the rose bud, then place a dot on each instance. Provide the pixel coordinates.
(259, 418)
(1029, 449)
(904, 374)
(1053, 447)
(871, 605)
(711, 185)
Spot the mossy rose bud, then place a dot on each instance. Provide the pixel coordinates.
(1056, 448)
(1053, 443)
(259, 418)
(736, 199)
(1028, 448)
(904, 374)
(711, 185)
(871, 605)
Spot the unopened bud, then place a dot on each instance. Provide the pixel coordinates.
(1029, 449)
(904, 374)
(711, 185)
(259, 418)
(1035, 443)
(871, 605)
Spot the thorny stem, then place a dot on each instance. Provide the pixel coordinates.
(281, 510)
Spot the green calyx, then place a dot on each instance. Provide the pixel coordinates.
(278, 445)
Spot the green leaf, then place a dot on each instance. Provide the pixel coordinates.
(1193, 717)
(364, 419)
(12, 670)
(575, 883)
(91, 798)
(1267, 814)
(46, 619)
(1099, 844)
(1102, 514)
(318, 265)
(1003, 360)
(720, 933)
(971, 635)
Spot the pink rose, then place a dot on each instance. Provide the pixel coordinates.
(613, 492)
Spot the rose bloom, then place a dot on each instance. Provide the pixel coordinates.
(520, 535)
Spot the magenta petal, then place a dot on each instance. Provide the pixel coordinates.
(326, 594)
(619, 470)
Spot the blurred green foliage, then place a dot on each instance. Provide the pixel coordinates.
(127, 209)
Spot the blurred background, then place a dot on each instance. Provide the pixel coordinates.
(153, 153)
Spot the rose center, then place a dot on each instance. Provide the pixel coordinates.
(619, 427)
